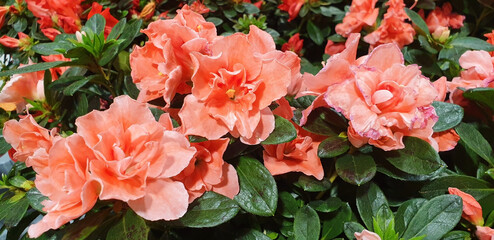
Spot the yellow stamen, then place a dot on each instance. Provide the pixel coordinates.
(199, 27)
(231, 93)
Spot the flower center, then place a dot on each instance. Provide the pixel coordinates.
(231, 93)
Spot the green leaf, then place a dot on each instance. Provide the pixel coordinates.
(215, 20)
(117, 30)
(449, 115)
(315, 33)
(4, 146)
(131, 227)
(435, 218)
(369, 200)
(73, 87)
(472, 43)
(253, 235)
(350, 228)
(35, 198)
(457, 235)
(288, 205)
(12, 209)
(406, 212)
(250, 8)
(20, 25)
(324, 121)
(109, 54)
(311, 184)
(84, 228)
(21, 182)
(481, 95)
(96, 24)
(283, 132)
(418, 157)
(306, 225)
(474, 140)
(417, 19)
(258, 192)
(334, 226)
(52, 48)
(333, 147)
(32, 68)
(356, 169)
(384, 224)
(479, 189)
(329, 205)
(210, 210)
(131, 31)
(424, 42)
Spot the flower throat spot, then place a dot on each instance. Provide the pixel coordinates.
(231, 93)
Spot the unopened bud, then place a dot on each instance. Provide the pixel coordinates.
(441, 34)
(148, 10)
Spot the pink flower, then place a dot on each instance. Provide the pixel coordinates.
(21, 86)
(367, 235)
(137, 158)
(233, 87)
(362, 13)
(9, 42)
(199, 7)
(479, 72)
(484, 233)
(443, 17)
(62, 13)
(383, 108)
(67, 184)
(208, 172)
(472, 211)
(3, 11)
(30, 141)
(393, 28)
(490, 39)
(163, 66)
(292, 7)
(294, 44)
(55, 72)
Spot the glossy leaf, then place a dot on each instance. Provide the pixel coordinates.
(356, 169)
(253, 235)
(333, 227)
(258, 192)
(96, 24)
(130, 227)
(417, 19)
(406, 212)
(479, 189)
(472, 43)
(329, 205)
(369, 200)
(32, 68)
(35, 199)
(435, 218)
(333, 147)
(211, 209)
(474, 140)
(311, 184)
(350, 228)
(481, 95)
(449, 115)
(306, 225)
(283, 132)
(418, 157)
(315, 33)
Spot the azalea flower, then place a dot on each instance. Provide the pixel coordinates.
(484, 233)
(362, 13)
(292, 7)
(443, 17)
(137, 158)
(199, 7)
(446, 140)
(3, 11)
(61, 13)
(366, 235)
(294, 44)
(490, 39)
(333, 48)
(24, 42)
(21, 86)
(472, 211)
(163, 66)
(50, 33)
(234, 86)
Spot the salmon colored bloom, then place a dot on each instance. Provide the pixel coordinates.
(163, 66)
(30, 141)
(61, 13)
(490, 39)
(385, 101)
(21, 86)
(443, 17)
(3, 11)
(294, 44)
(472, 211)
(367, 235)
(199, 7)
(208, 172)
(55, 72)
(393, 28)
(136, 158)
(234, 86)
(51, 33)
(484, 233)
(298, 155)
(292, 7)
(67, 184)
(446, 140)
(111, 21)
(9, 42)
(479, 72)
(362, 13)
(334, 48)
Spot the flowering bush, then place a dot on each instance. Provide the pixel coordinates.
(262, 119)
